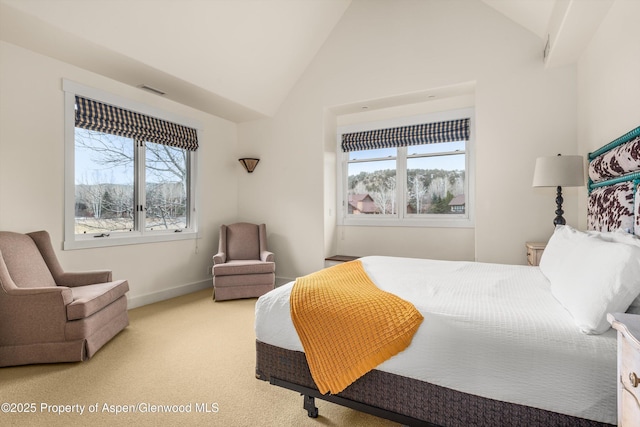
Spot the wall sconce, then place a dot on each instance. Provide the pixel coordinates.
(249, 164)
(559, 171)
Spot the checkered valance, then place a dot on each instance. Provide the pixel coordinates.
(106, 118)
(427, 133)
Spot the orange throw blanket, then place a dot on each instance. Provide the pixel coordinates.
(347, 325)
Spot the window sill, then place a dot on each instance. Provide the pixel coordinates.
(114, 240)
(439, 222)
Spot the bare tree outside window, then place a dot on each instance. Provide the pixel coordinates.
(433, 183)
(105, 184)
(166, 187)
(104, 178)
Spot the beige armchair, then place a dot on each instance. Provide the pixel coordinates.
(48, 315)
(243, 268)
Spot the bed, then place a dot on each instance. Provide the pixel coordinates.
(529, 343)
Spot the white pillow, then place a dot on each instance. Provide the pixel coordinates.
(591, 277)
(621, 236)
(617, 236)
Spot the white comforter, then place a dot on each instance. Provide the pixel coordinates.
(490, 330)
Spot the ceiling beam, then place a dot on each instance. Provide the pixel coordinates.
(571, 27)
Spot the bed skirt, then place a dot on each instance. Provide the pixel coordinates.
(387, 395)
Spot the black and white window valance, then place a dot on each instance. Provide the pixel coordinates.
(94, 115)
(427, 133)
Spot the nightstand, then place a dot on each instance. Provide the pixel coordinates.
(628, 327)
(338, 259)
(534, 252)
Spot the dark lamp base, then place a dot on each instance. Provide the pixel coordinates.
(559, 219)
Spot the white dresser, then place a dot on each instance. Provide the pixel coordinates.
(628, 327)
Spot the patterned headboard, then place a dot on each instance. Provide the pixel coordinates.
(614, 185)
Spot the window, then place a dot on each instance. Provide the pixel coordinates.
(411, 172)
(371, 184)
(436, 178)
(104, 183)
(130, 175)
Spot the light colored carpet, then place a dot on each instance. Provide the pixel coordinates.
(189, 352)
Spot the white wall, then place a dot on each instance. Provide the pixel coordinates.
(380, 49)
(32, 176)
(609, 82)
(383, 49)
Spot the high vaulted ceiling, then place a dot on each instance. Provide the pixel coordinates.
(237, 59)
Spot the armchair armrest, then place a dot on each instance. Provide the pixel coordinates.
(33, 315)
(81, 278)
(267, 256)
(60, 295)
(219, 258)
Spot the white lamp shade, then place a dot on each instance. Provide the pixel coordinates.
(563, 171)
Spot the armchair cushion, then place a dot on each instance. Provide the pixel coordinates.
(88, 300)
(243, 267)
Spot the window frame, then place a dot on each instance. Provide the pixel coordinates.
(402, 218)
(139, 235)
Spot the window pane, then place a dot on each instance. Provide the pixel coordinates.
(104, 176)
(166, 187)
(372, 188)
(435, 185)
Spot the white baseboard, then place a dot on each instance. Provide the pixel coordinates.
(165, 294)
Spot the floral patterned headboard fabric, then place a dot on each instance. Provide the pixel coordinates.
(614, 185)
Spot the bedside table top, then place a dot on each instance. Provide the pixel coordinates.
(536, 245)
(341, 258)
(629, 324)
